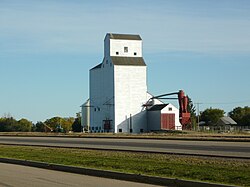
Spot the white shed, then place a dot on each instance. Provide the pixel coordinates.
(163, 117)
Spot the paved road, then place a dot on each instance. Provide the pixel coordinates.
(241, 149)
(23, 176)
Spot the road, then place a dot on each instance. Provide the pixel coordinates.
(16, 175)
(218, 148)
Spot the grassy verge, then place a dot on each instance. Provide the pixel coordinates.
(236, 172)
(187, 135)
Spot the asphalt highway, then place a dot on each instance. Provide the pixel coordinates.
(18, 176)
(216, 148)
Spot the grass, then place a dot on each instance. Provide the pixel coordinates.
(217, 170)
(161, 135)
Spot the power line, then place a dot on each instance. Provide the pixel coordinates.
(223, 103)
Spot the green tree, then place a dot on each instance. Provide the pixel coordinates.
(192, 110)
(39, 127)
(240, 115)
(66, 124)
(8, 124)
(24, 125)
(54, 123)
(76, 126)
(246, 119)
(211, 115)
(59, 124)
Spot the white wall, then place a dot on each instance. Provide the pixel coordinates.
(85, 117)
(130, 95)
(111, 46)
(175, 111)
(101, 94)
(134, 46)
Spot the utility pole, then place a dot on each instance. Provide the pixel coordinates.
(198, 115)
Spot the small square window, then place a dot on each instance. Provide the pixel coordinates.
(141, 130)
(131, 130)
(170, 109)
(125, 49)
(117, 53)
(120, 130)
(96, 128)
(135, 53)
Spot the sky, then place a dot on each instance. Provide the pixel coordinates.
(48, 46)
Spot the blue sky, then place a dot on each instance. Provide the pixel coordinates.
(48, 46)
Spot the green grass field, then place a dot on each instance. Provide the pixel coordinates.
(217, 170)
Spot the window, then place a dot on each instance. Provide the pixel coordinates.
(141, 130)
(93, 128)
(131, 130)
(98, 108)
(100, 128)
(120, 130)
(95, 109)
(170, 109)
(107, 61)
(135, 53)
(125, 49)
(96, 128)
(117, 53)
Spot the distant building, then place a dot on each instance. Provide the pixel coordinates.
(118, 91)
(225, 124)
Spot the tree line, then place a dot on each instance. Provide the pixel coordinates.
(58, 124)
(54, 124)
(241, 115)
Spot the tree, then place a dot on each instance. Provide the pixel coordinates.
(59, 124)
(240, 115)
(192, 110)
(24, 125)
(39, 127)
(211, 115)
(66, 124)
(54, 123)
(9, 124)
(76, 126)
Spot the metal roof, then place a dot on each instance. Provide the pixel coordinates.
(128, 61)
(157, 107)
(124, 36)
(227, 121)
